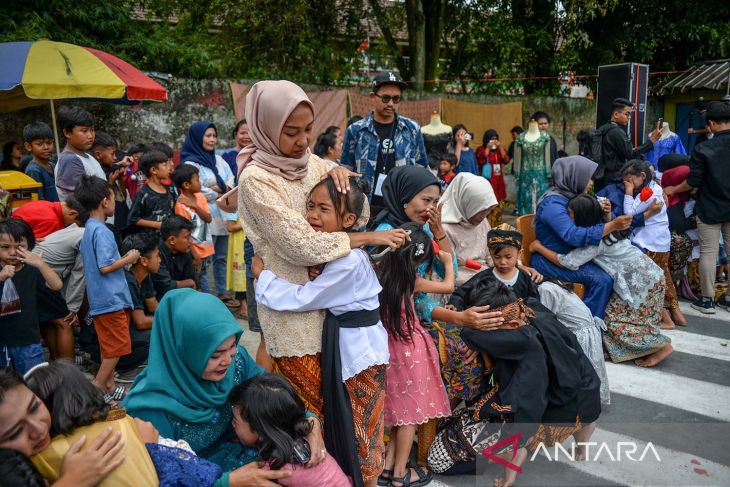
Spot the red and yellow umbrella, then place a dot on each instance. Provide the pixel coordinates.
(32, 73)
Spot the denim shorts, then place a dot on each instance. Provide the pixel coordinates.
(22, 358)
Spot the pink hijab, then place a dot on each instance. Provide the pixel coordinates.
(268, 105)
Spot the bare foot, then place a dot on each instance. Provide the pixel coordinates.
(583, 435)
(666, 323)
(655, 357)
(678, 317)
(509, 476)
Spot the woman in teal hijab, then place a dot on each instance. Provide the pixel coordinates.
(194, 362)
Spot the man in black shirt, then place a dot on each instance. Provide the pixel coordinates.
(383, 139)
(617, 149)
(710, 174)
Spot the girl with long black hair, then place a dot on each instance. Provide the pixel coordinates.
(354, 343)
(415, 392)
(270, 416)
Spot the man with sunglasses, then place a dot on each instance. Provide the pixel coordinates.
(383, 139)
(617, 149)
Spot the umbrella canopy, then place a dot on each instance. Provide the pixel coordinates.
(33, 72)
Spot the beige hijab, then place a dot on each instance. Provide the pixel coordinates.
(467, 195)
(268, 105)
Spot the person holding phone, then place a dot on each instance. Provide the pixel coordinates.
(492, 157)
(465, 157)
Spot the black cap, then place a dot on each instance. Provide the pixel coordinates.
(719, 110)
(388, 77)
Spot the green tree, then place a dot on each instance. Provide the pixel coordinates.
(668, 35)
(313, 41)
(423, 21)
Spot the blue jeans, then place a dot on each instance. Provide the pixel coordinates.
(220, 242)
(219, 261)
(598, 283)
(22, 358)
(203, 283)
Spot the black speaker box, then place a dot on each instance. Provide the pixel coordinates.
(630, 81)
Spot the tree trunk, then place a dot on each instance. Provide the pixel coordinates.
(416, 21)
(434, 12)
(382, 21)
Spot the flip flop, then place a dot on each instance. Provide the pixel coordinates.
(116, 395)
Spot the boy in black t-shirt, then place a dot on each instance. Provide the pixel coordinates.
(144, 299)
(21, 279)
(176, 267)
(153, 202)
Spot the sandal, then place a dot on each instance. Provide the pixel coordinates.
(385, 481)
(424, 477)
(230, 302)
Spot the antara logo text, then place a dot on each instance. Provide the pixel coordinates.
(624, 450)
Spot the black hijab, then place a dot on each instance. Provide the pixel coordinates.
(401, 186)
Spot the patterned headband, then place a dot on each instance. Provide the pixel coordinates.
(512, 313)
(501, 237)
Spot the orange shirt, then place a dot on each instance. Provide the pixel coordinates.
(202, 239)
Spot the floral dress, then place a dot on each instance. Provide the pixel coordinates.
(634, 311)
(463, 379)
(414, 390)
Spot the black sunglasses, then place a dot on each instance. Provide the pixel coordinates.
(387, 98)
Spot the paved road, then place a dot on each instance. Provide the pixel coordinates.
(682, 407)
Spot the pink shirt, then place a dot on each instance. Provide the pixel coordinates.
(326, 474)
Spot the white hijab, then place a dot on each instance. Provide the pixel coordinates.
(467, 195)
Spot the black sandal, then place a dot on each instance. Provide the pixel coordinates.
(385, 481)
(424, 477)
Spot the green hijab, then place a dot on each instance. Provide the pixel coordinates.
(188, 327)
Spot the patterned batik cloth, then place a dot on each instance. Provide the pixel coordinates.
(634, 332)
(305, 375)
(670, 291)
(550, 434)
(681, 249)
(495, 217)
(367, 396)
(463, 379)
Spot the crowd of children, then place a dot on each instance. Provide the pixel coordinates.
(118, 242)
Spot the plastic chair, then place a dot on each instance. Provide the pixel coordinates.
(526, 227)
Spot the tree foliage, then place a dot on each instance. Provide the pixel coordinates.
(316, 41)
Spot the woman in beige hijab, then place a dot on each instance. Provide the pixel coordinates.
(277, 172)
(467, 203)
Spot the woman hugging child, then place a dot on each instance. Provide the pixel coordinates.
(354, 342)
(654, 238)
(546, 388)
(77, 409)
(505, 247)
(634, 311)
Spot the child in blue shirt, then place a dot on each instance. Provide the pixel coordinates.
(38, 139)
(109, 299)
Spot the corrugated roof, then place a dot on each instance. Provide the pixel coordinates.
(710, 75)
